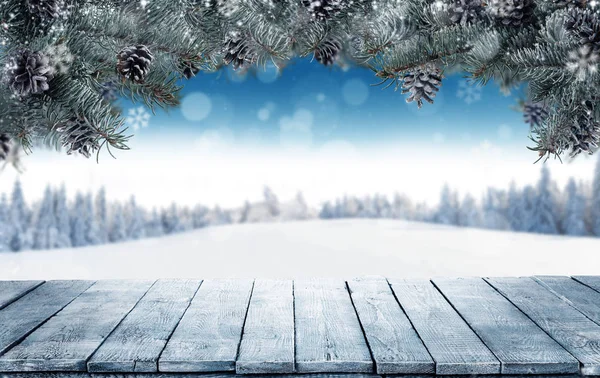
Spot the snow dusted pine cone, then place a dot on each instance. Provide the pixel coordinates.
(585, 26)
(78, 136)
(322, 10)
(133, 63)
(534, 114)
(29, 73)
(422, 84)
(464, 12)
(515, 13)
(189, 69)
(237, 52)
(5, 146)
(585, 134)
(328, 52)
(45, 9)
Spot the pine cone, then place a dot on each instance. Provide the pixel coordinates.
(322, 10)
(515, 13)
(534, 114)
(237, 52)
(422, 84)
(585, 134)
(29, 73)
(189, 69)
(5, 146)
(133, 63)
(585, 26)
(78, 136)
(464, 12)
(569, 3)
(45, 9)
(328, 52)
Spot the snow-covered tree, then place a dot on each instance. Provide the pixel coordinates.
(101, 215)
(573, 221)
(78, 222)
(545, 211)
(494, 209)
(20, 234)
(447, 212)
(469, 214)
(245, 212)
(45, 232)
(271, 201)
(135, 220)
(402, 207)
(154, 227)
(515, 208)
(4, 224)
(200, 216)
(62, 221)
(91, 222)
(327, 211)
(117, 230)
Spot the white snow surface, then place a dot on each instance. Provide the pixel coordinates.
(331, 248)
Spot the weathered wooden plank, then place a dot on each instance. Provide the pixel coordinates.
(195, 375)
(208, 335)
(10, 291)
(582, 297)
(328, 334)
(394, 344)
(520, 345)
(268, 341)
(67, 340)
(455, 348)
(20, 318)
(569, 327)
(136, 344)
(591, 281)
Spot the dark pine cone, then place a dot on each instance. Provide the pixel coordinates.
(328, 52)
(45, 9)
(465, 11)
(133, 63)
(30, 73)
(585, 134)
(78, 136)
(515, 13)
(189, 69)
(237, 52)
(585, 26)
(4, 146)
(322, 10)
(422, 84)
(534, 114)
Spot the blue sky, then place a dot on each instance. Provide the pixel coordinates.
(336, 104)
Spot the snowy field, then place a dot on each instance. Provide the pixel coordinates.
(342, 248)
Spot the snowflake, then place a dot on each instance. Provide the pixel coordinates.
(137, 118)
(583, 61)
(61, 58)
(469, 93)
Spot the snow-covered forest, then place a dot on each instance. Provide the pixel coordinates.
(89, 219)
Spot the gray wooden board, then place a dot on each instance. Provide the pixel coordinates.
(453, 345)
(21, 317)
(136, 344)
(328, 334)
(208, 335)
(583, 298)
(193, 375)
(569, 327)
(10, 291)
(520, 345)
(67, 340)
(268, 341)
(591, 281)
(394, 344)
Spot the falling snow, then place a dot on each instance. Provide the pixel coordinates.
(469, 93)
(138, 118)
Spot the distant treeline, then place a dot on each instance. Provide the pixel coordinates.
(56, 222)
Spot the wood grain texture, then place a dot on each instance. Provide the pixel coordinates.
(520, 345)
(67, 340)
(190, 375)
(328, 334)
(136, 344)
(590, 281)
(578, 295)
(20, 318)
(10, 291)
(455, 348)
(569, 327)
(208, 335)
(268, 342)
(394, 344)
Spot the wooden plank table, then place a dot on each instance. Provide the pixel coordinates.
(313, 328)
